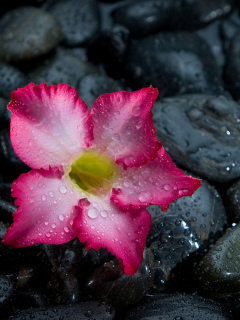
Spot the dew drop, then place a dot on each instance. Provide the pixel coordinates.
(46, 223)
(144, 196)
(48, 234)
(51, 193)
(40, 234)
(92, 213)
(103, 213)
(53, 226)
(92, 227)
(128, 130)
(30, 142)
(126, 184)
(106, 125)
(61, 217)
(63, 189)
(44, 197)
(66, 229)
(116, 137)
(137, 111)
(138, 124)
(167, 187)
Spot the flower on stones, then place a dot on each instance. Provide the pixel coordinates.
(93, 174)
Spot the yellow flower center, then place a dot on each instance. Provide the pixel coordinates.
(94, 172)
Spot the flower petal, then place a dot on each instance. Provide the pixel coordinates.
(157, 182)
(46, 209)
(101, 224)
(123, 124)
(49, 125)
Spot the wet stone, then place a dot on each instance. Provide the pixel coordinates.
(219, 272)
(229, 28)
(148, 16)
(27, 33)
(79, 19)
(175, 63)
(7, 206)
(85, 310)
(61, 67)
(11, 165)
(10, 79)
(233, 202)
(201, 133)
(5, 114)
(232, 67)
(177, 307)
(6, 289)
(204, 212)
(92, 86)
(109, 284)
(171, 240)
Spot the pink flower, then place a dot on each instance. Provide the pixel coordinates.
(93, 175)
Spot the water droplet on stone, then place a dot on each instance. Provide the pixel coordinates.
(63, 189)
(92, 213)
(103, 213)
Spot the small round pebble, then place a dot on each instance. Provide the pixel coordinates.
(27, 33)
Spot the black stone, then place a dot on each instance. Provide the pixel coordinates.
(79, 19)
(229, 28)
(177, 307)
(233, 202)
(232, 67)
(219, 271)
(84, 311)
(201, 133)
(109, 284)
(11, 165)
(5, 114)
(175, 63)
(92, 86)
(6, 289)
(7, 206)
(62, 67)
(150, 16)
(10, 79)
(26, 33)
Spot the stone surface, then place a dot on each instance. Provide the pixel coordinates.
(233, 202)
(10, 79)
(175, 63)
(92, 86)
(177, 307)
(219, 271)
(61, 67)
(27, 33)
(201, 133)
(83, 311)
(79, 19)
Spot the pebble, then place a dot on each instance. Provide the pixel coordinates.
(201, 133)
(27, 33)
(177, 307)
(10, 79)
(79, 19)
(219, 271)
(175, 63)
(93, 85)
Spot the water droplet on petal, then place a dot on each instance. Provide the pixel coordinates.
(92, 213)
(138, 124)
(30, 142)
(126, 184)
(116, 137)
(106, 125)
(103, 213)
(137, 111)
(53, 226)
(46, 223)
(63, 189)
(167, 187)
(44, 197)
(66, 229)
(51, 193)
(48, 234)
(129, 130)
(144, 196)
(61, 217)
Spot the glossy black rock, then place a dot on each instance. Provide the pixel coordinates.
(177, 307)
(26, 33)
(201, 133)
(233, 202)
(79, 19)
(173, 62)
(219, 271)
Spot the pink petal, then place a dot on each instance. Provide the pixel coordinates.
(46, 209)
(101, 224)
(49, 125)
(123, 124)
(157, 182)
